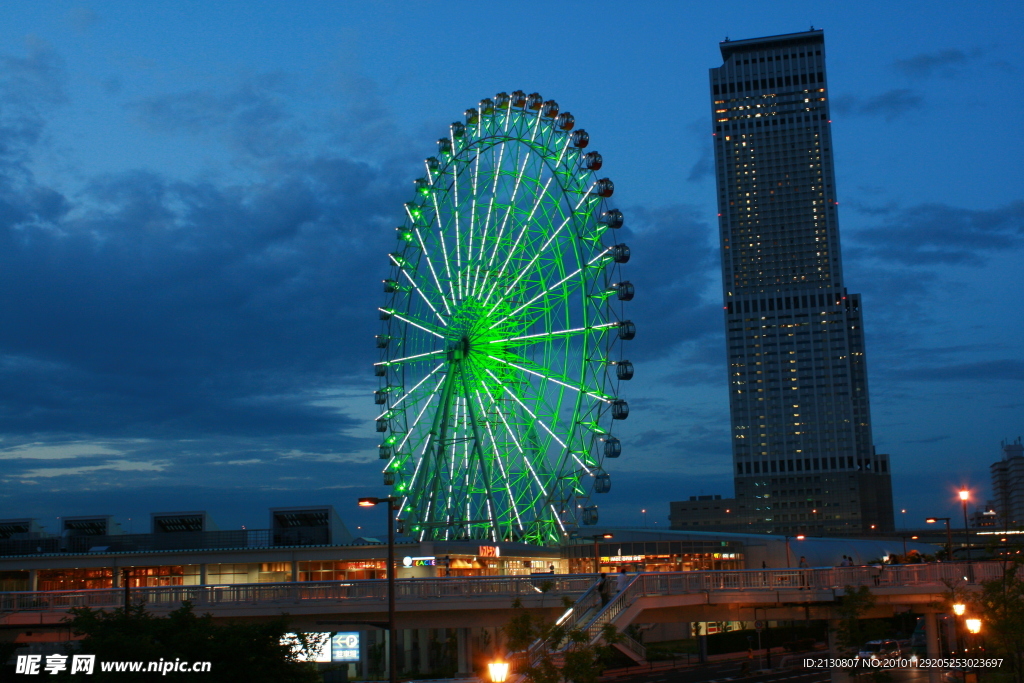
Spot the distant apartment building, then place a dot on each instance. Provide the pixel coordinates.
(1008, 485)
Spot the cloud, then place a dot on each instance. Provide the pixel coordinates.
(113, 465)
(254, 117)
(929, 234)
(890, 105)
(30, 85)
(167, 309)
(58, 451)
(1008, 370)
(947, 63)
(674, 268)
(82, 18)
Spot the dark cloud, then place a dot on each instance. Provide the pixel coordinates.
(674, 268)
(254, 117)
(1011, 370)
(947, 63)
(30, 85)
(82, 18)
(890, 105)
(930, 439)
(930, 234)
(704, 167)
(156, 308)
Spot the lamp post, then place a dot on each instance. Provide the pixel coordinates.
(949, 535)
(964, 496)
(597, 539)
(392, 645)
(801, 537)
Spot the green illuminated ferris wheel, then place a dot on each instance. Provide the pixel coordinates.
(502, 331)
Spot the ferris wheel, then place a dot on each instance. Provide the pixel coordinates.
(502, 330)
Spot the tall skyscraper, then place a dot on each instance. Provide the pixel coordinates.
(803, 458)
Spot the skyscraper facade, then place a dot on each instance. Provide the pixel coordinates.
(803, 458)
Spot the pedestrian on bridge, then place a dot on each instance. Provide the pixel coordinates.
(604, 587)
(621, 580)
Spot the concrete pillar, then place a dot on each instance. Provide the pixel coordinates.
(931, 636)
(364, 654)
(295, 570)
(837, 675)
(117, 573)
(465, 650)
(407, 642)
(202, 574)
(33, 579)
(424, 639)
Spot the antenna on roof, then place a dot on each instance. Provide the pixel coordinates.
(726, 39)
(812, 27)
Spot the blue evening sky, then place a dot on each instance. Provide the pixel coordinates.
(197, 199)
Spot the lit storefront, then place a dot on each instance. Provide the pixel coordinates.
(656, 556)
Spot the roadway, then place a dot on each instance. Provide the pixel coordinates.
(734, 671)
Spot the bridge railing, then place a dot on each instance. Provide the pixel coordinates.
(468, 588)
(769, 580)
(295, 592)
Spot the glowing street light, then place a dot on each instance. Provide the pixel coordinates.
(964, 496)
(498, 671)
(959, 609)
(973, 625)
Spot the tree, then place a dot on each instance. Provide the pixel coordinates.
(239, 652)
(581, 661)
(853, 629)
(1001, 605)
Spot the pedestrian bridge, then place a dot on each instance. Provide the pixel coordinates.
(573, 600)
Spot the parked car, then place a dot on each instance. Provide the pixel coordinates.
(879, 649)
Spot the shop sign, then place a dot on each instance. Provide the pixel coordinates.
(624, 558)
(488, 551)
(419, 561)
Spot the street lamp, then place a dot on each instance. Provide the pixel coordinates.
(597, 538)
(644, 513)
(498, 671)
(392, 645)
(959, 609)
(964, 496)
(799, 538)
(973, 625)
(949, 535)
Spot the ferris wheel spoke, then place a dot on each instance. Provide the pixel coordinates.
(520, 174)
(540, 251)
(488, 218)
(442, 295)
(575, 387)
(542, 336)
(499, 461)
(420, 324)
(426, 404)
(514, 249)
(416, 357)
(523, 452)
(551, 288)
(416, 288)
(451, 290)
